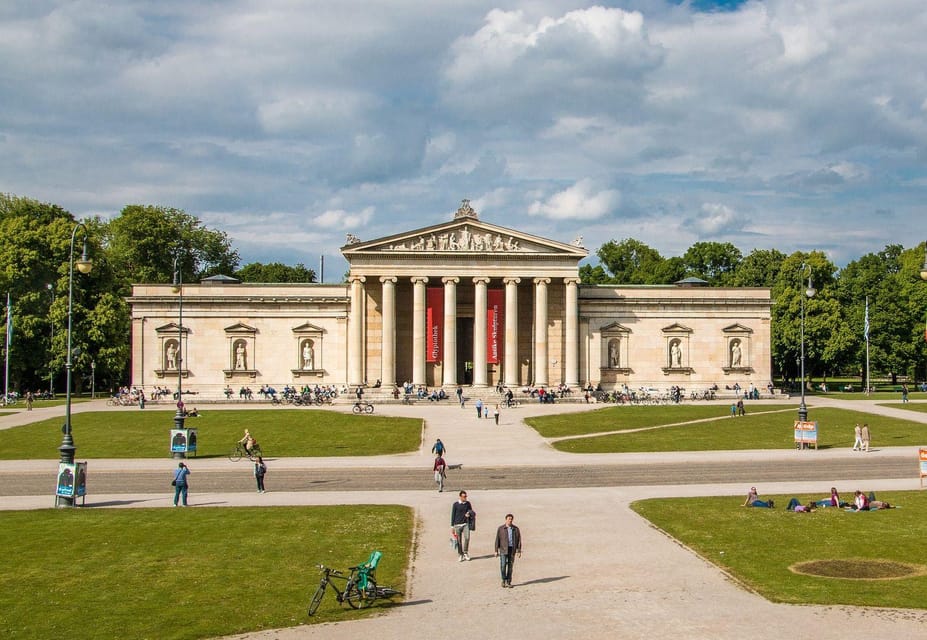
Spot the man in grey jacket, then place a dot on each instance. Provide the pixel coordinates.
(508, 543)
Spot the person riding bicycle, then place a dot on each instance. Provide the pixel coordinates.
(248, 441)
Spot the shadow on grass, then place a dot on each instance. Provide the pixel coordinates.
(120, 503)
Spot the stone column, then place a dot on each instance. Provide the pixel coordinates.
(479, 332)
(356, 332)
(571, 332)
(450, 331)
(540, 331)
(418, 330)
(388, 363)
(510, 355)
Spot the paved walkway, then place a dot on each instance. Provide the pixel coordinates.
(591, 567)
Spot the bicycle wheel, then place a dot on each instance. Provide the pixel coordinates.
(387, 592)
(368, 408)
(317, 598)
(357, 408)
(235, 454)
(361, 598)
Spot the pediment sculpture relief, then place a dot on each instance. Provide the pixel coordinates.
(463, 239)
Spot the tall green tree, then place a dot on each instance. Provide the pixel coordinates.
(759, 268)
(143, 241)
(633, 262)
(715, 262)
(35, 263)
(275, 272)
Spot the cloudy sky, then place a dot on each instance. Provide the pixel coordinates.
(793, 124)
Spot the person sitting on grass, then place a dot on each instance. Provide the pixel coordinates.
(754, 501)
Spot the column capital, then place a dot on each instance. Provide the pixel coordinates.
(353, 279)
(541, 281)
(419, 279)
(385, 279)
(450, 280)
(511, 280)
(572, 280)
(481, 280)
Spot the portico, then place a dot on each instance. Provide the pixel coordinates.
(483, 305)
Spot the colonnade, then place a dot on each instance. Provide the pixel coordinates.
(510, 360)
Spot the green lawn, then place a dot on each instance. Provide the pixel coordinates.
(916, 406)
(758, 545)
(186, 573)
(283, 432)
(756, 430)
(615, 418)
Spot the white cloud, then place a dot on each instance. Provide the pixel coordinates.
(341, 219)
(716, 219)
(581, 201)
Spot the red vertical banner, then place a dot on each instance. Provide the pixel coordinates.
(434, 323)
(495, 310)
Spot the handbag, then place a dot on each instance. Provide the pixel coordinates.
(173, 483)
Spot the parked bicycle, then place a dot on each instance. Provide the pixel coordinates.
(362, 406)
(360, 586)
(239, 451)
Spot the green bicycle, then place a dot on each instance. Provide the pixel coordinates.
(360, 588)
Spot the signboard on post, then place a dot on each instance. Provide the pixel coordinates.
(806, 434)
(923, 459)
(183, 440)
(72, 482)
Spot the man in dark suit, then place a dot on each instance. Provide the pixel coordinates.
(508, 543)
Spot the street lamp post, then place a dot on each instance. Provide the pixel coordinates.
(51, 368)
(67, 447)
(178, 289)
(93, 380)
(809, 292)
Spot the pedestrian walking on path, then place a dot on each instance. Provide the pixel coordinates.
(865, 436)
(440, 470)
(479, 408)
(508, 543)
(260, 469)
(180, 484)
(495, 414)
(463, 521)
(858, 435)
(439, 449)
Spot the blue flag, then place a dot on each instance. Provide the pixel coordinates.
(866, 322)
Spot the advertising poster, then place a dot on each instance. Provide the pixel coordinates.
(434, 323)
(495, 305)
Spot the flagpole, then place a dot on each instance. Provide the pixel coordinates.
(6, 373)
(868, 387)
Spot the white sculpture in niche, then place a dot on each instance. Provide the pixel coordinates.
(171, 355)
(675, 354)
(241, 356)
(613, 360)
(735, 353)
(308, 355)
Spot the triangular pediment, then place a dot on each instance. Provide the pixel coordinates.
(615, 327)
(677, 328)
(170, 327)
(467, 236)
(308, 327)
(737, 328)
(240, 327)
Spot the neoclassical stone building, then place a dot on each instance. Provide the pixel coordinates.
(458, 303)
